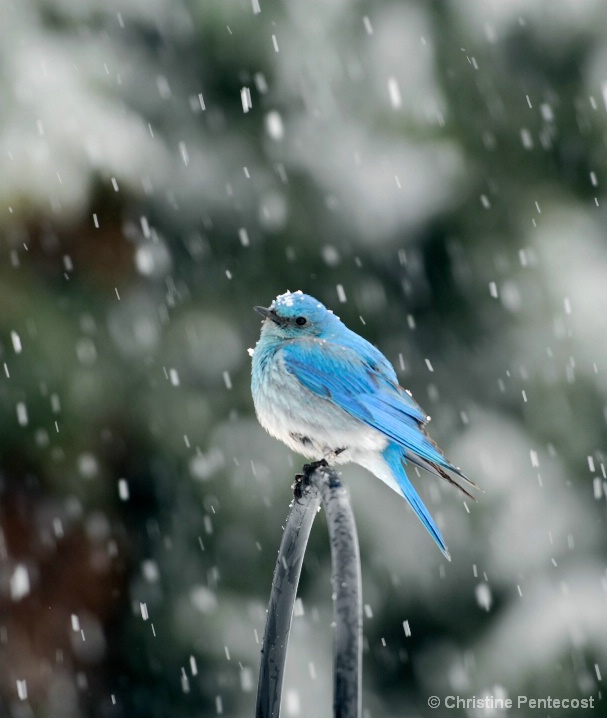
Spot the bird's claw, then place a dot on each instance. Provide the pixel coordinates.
(309, 469)
(302, 481)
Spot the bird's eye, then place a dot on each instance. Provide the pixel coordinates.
(300, 321)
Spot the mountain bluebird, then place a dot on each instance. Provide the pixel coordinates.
(329, 394)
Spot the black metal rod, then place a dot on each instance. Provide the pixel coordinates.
(282, 599)
(347, 597)
(320, 482)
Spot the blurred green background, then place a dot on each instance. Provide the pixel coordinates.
(432, 171)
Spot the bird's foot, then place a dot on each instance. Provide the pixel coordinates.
(331, 456)
(309, 469)
(302, 482)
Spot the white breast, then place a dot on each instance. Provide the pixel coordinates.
(308, 424)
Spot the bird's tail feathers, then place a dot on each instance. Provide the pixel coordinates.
(393, 456)
(438, 470)
(418, 446)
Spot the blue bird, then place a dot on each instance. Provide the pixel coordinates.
(327, 393)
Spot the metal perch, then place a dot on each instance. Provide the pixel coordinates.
(319, 483)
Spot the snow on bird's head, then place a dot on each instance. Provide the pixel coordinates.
(293, 304)
(287, 299)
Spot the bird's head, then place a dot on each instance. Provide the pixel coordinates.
(295, 314)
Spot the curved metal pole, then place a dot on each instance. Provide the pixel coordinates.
(318, 481)
(347, 597)
(282, 598)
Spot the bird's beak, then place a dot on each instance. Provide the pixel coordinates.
(269, 314)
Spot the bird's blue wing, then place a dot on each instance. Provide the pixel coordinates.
(362, 387)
